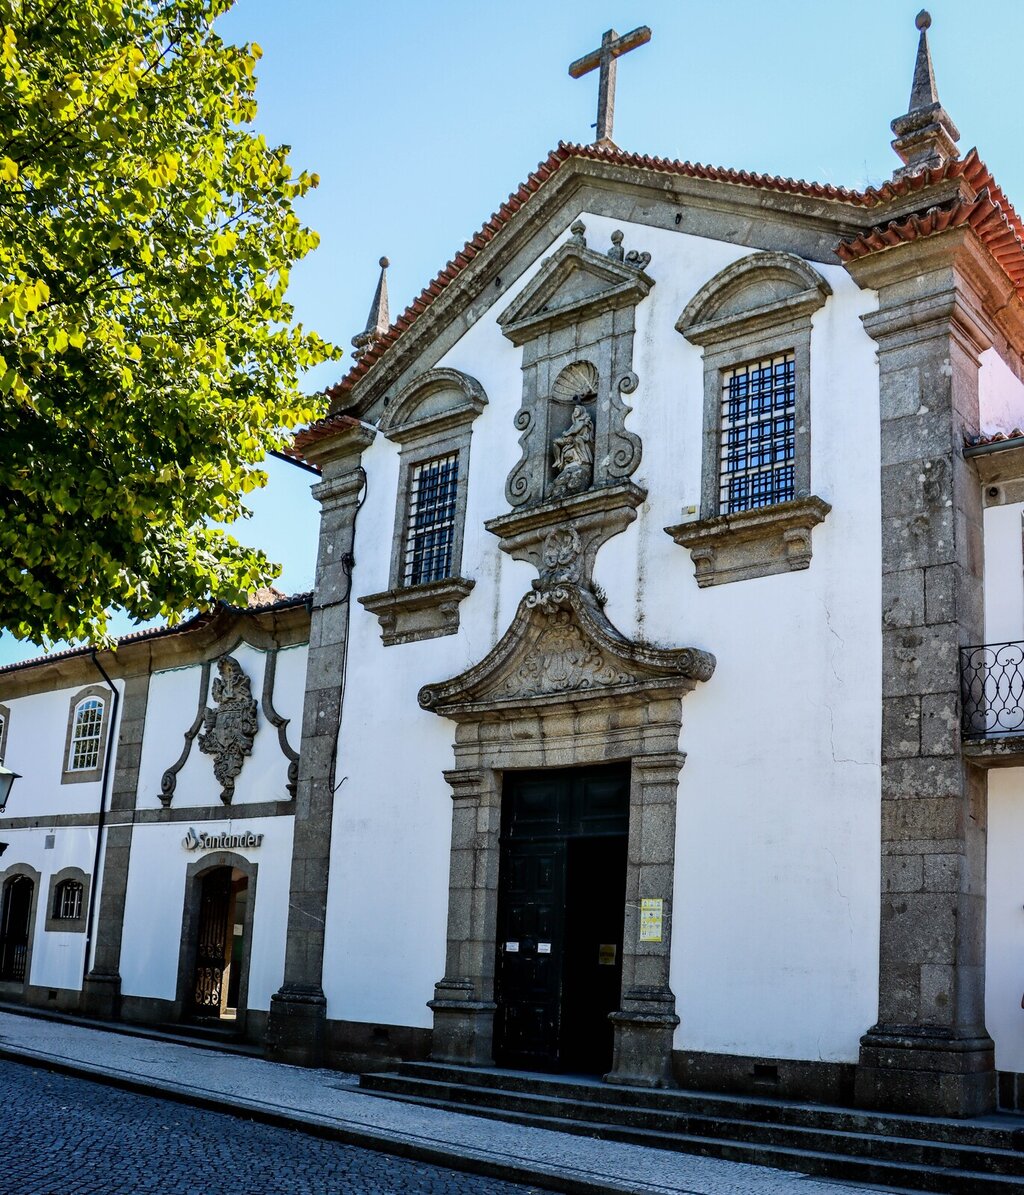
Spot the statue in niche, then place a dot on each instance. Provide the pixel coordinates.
(574, 455)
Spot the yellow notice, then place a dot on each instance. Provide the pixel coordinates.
(651, 908)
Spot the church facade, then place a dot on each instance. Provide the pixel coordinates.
(660, 692)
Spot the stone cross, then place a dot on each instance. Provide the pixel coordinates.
(612, 46)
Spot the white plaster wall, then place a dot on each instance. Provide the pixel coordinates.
(1000, 395)
(58, 959)
(174, 698)
(1004, 573)
(35, 749)
(777, 906)
(1004, 914)
(155, 903)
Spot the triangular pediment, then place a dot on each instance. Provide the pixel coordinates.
(572, 284)
(560, 645)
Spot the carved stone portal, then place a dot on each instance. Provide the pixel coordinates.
(563, 688)
(229, 730)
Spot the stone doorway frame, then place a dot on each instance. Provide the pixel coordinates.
(638, 723)
(190, 929)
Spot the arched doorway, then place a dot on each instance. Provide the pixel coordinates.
(15, 927)
(217, 979)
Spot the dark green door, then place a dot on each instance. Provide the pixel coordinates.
(560, 912)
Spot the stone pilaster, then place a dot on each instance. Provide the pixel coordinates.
(929, 1051)
(463, 1003)
(298, 1011)
(646, 1020)
(101, 989)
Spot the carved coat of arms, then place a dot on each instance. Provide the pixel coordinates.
(230, 728)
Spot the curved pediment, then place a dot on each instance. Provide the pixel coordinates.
(760, 288)
(435, 401)
(575, 283)
(560, 645)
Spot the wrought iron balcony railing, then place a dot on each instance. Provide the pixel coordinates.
(992, 689)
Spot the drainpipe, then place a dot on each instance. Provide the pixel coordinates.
(104, 792)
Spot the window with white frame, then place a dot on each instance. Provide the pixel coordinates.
(67, 902)
(758, 434)
(430, 528)
(86, 739)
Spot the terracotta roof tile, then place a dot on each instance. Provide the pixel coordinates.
(998, 229)
(988, 212)
(995, 438)
(262, 605)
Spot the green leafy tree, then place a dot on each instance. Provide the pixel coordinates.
(147, 357)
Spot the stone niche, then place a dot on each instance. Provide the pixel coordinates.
(575, 323)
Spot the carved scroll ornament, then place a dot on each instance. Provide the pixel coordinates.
(231, 727)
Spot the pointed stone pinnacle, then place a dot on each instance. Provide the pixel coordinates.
(379, 319)
(926, 136)
(923, 92)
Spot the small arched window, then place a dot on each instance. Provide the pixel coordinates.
(67, 901)
(86, 742)
(87, 735)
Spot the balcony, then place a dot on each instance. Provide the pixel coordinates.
(992, 703)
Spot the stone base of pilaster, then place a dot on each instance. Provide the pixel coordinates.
(463, 1026)
(296, 1027)
(926, 1071)
(101, 996)
(644, 1028)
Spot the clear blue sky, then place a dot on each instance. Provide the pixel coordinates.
(421, 117)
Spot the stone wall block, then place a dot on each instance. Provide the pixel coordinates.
(918, 540)
(940, 593)
(901, 718)
(919, 926)
(917, 439)
(940, 724)
(904, 603)
(919, 660)
(902, 873)
(921, 819)
(945, 873)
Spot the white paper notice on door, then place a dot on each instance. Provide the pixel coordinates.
(651, 910)
(543, 947)
(511, 947)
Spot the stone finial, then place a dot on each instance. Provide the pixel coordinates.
(926, 136)
(379, 319)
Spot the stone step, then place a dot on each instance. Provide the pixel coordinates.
(997, 1131)
(913, 1163)
(885, 1148)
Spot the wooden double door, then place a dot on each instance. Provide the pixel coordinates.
(562, 883)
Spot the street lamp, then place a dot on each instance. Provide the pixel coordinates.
(7, 779)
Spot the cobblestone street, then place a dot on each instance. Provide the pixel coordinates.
(64, 1136)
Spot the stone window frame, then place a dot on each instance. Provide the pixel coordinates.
(5, 722)
(757, 308)
(85, 775)
(67, 925)
(15, 987)
(431, 418)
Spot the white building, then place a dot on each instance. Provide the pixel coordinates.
(670, 465)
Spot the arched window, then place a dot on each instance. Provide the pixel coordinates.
(86, 742)
(67, 901)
